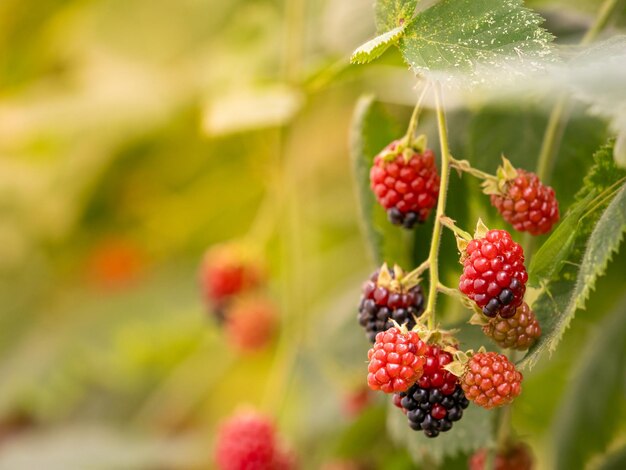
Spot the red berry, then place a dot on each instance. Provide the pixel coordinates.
(396, 360)
(435, 376)
(491, 380)
(246, 441)
(225, 272)
(406, 186)
(356, 401)
(527, 204)
(383, 301)
(514, 457)
(494, 275)
(518, 332)
(250, 323)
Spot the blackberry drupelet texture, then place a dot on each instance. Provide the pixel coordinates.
(491, 380)
(405, 182)
(437, 400)
(494, 275)
(429, 410)
(518, 332)
(395, 361)
(527, 204)
(382, 302)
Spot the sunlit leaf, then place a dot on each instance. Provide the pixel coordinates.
(393, 13)
(602, 363)
(462, 36)
(376, 47)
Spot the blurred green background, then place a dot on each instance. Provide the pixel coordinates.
(133, 135)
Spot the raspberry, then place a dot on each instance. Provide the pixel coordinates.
(517, 456)
(491, 380)
(225, 273)
(518, 332)
(527, 204)
(396, 360)
(250, 323)
(428, 409)
(383, 301)
(246, 442)
(494, 275)
(406, 183)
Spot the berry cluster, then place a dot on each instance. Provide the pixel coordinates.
(491, 380)
(396, 360)
(494, 275)
(383, 301)
(249, 441)
(518, 332)
(405, 182)
(436, 401)
(231, 281)
(527, 204)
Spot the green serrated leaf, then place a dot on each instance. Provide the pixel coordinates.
(595, 243)
(393, 13)
(468, 434)
(462, 35)
(581, 410)
(549, 259)
(372, 129)
(376, 47)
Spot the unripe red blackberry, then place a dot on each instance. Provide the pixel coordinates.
(386, 298)
(250, 323)
(527, 204)
(227, 271)
(405, 182)
(246, 441)
(516, 456)
(491, 380)
(494, 275)
(396, 360)
(518, 332)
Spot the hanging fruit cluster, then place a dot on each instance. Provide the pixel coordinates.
(233, 283)
(431, 379)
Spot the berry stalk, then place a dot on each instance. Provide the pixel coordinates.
(410, 133)
(433, 256)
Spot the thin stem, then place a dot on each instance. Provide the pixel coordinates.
(449, 291)
(601, 20)
(551, 139)
(433, 256)
(466, 167)
(410, 133)
(416, 273)
(449, 223)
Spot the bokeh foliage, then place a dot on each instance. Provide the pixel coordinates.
(135, 134)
